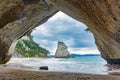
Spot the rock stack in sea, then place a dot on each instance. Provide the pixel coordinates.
(61, 51)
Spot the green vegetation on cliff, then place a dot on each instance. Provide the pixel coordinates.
(88, 29)
(28, 48)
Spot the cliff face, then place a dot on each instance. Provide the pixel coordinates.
(27, 47)
(61, 51)
(17, 17)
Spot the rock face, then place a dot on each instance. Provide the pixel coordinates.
(61, 51)
(17, 55)
(17, 17)
(27, 47)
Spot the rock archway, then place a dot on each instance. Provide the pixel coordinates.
(17, 17)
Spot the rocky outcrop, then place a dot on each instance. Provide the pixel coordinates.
(17, 55)
(61, 51)
(17, 17)
(27, 47)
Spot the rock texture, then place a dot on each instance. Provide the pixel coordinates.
(61, 51)
(17, 17)
(103, 19)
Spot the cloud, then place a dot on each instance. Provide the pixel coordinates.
(41, 30)
(61, 16)
(64, 28)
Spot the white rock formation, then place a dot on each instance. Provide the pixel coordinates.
(61, 51)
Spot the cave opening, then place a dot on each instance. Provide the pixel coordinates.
(20, 17)
(75, 35)
(62, 27)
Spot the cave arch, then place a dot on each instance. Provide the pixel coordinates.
(102, 17)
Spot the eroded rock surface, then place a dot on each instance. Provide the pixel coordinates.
(102, 18)
(17, 17)
(62, 51)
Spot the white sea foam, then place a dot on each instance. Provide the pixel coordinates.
(84, 64)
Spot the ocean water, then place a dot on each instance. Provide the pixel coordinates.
(82, 64)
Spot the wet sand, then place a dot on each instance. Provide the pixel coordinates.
(17, 74)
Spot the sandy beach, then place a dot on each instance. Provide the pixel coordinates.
(17, 74)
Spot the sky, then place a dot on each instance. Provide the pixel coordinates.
(62, 27)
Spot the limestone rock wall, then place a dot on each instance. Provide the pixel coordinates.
(18, 17)
(62, 51)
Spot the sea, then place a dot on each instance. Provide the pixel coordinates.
(80, 64)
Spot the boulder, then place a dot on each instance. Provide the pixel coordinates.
(43, 68)
(61, 51)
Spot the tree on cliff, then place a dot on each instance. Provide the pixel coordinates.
(88, 29)
(27, 47)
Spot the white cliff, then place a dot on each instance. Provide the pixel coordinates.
(61, 51)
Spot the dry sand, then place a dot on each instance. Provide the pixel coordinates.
(17, 74)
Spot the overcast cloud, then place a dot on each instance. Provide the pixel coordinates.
(64, 28)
